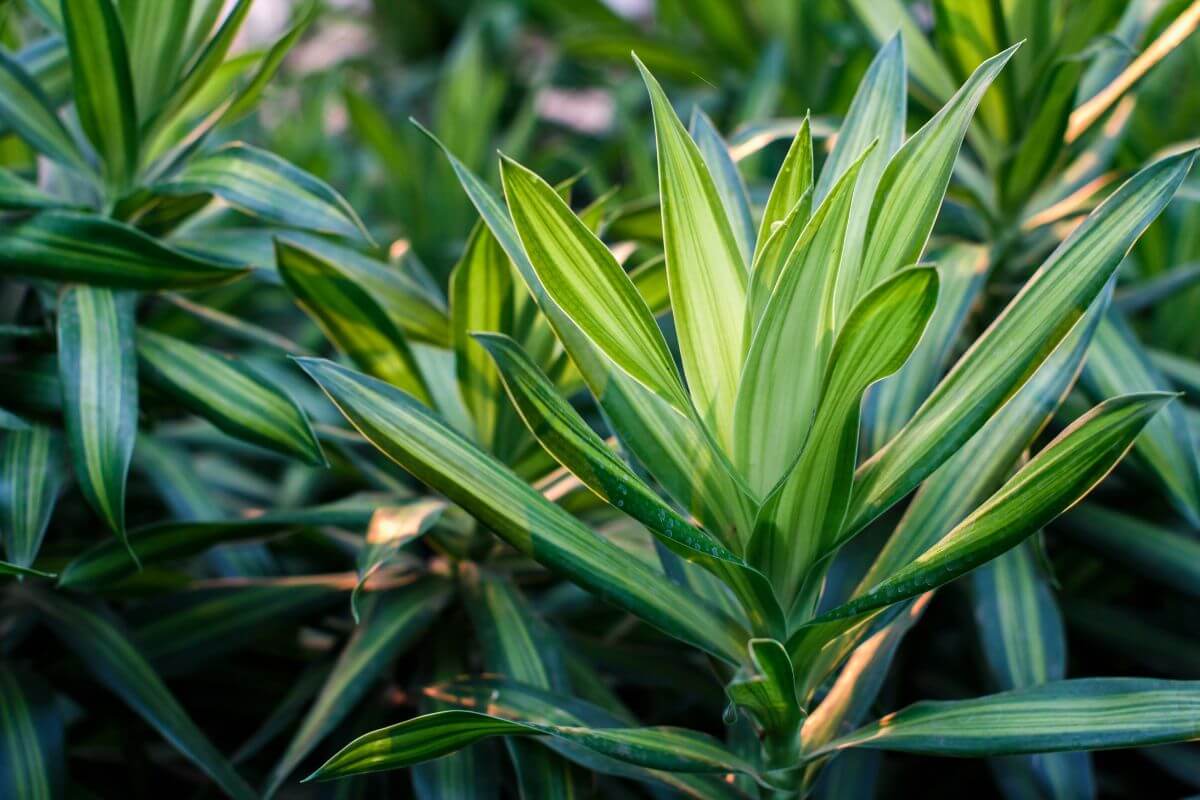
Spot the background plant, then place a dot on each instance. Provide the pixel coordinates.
(296, 589)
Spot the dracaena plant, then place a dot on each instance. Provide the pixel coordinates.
(747, 471)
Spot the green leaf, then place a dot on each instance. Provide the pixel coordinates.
(1119, 364)
(481, 299)
(1010, 350)
(26, 110)
(65, 246)
(524, 703)
(7, 568)
(415, 439)
(912, 186)
(877, 114)
(350, 317)
(1082, 714)
(1053, 480)
(583, 278)
(443, 732)
(577, 447)
(793, 181)
(727, 180)
(1043, 136)
(31, 474)
(108, 562)
(32, 752)
(155, 33)
(104, 93)
(98, 369)
(392, 622)
(114, 662)
(705, 270)
(267, 186)
(800, 520)
(229, 394)
(781, 379)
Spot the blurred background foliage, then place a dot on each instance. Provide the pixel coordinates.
(552, 84)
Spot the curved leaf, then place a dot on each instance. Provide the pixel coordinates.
(435, 454)
(31, 467)
(1053, 480)
(229, 394)
(25, 109)
(98, 370)
(705, 269)
(267, 186)
(1083, 714)
(66, 246)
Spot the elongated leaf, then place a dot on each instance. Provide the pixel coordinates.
(393, 621)
(911, 188)
(117, 665)
(582, 276)
(98, 369)
(31, 466)
(705, 269)
(32, 755)
(26, 110)
(155, 34)
(1003, 358)
(793, 181)
(65, 246)
(781, 380)
(481, 299)
(727, 180)
(577, 447)
(350, 317)
(103, 83)
(7, 568)
(801, 518)
(229, 394)
(524, 703)
(968, 32)
(877, 114)
(165, 541)
(1083, 714)
(1053, 480)
(408, 434)
(434, 735)
(1043, 138)
(267, 186)
(1118, 364)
